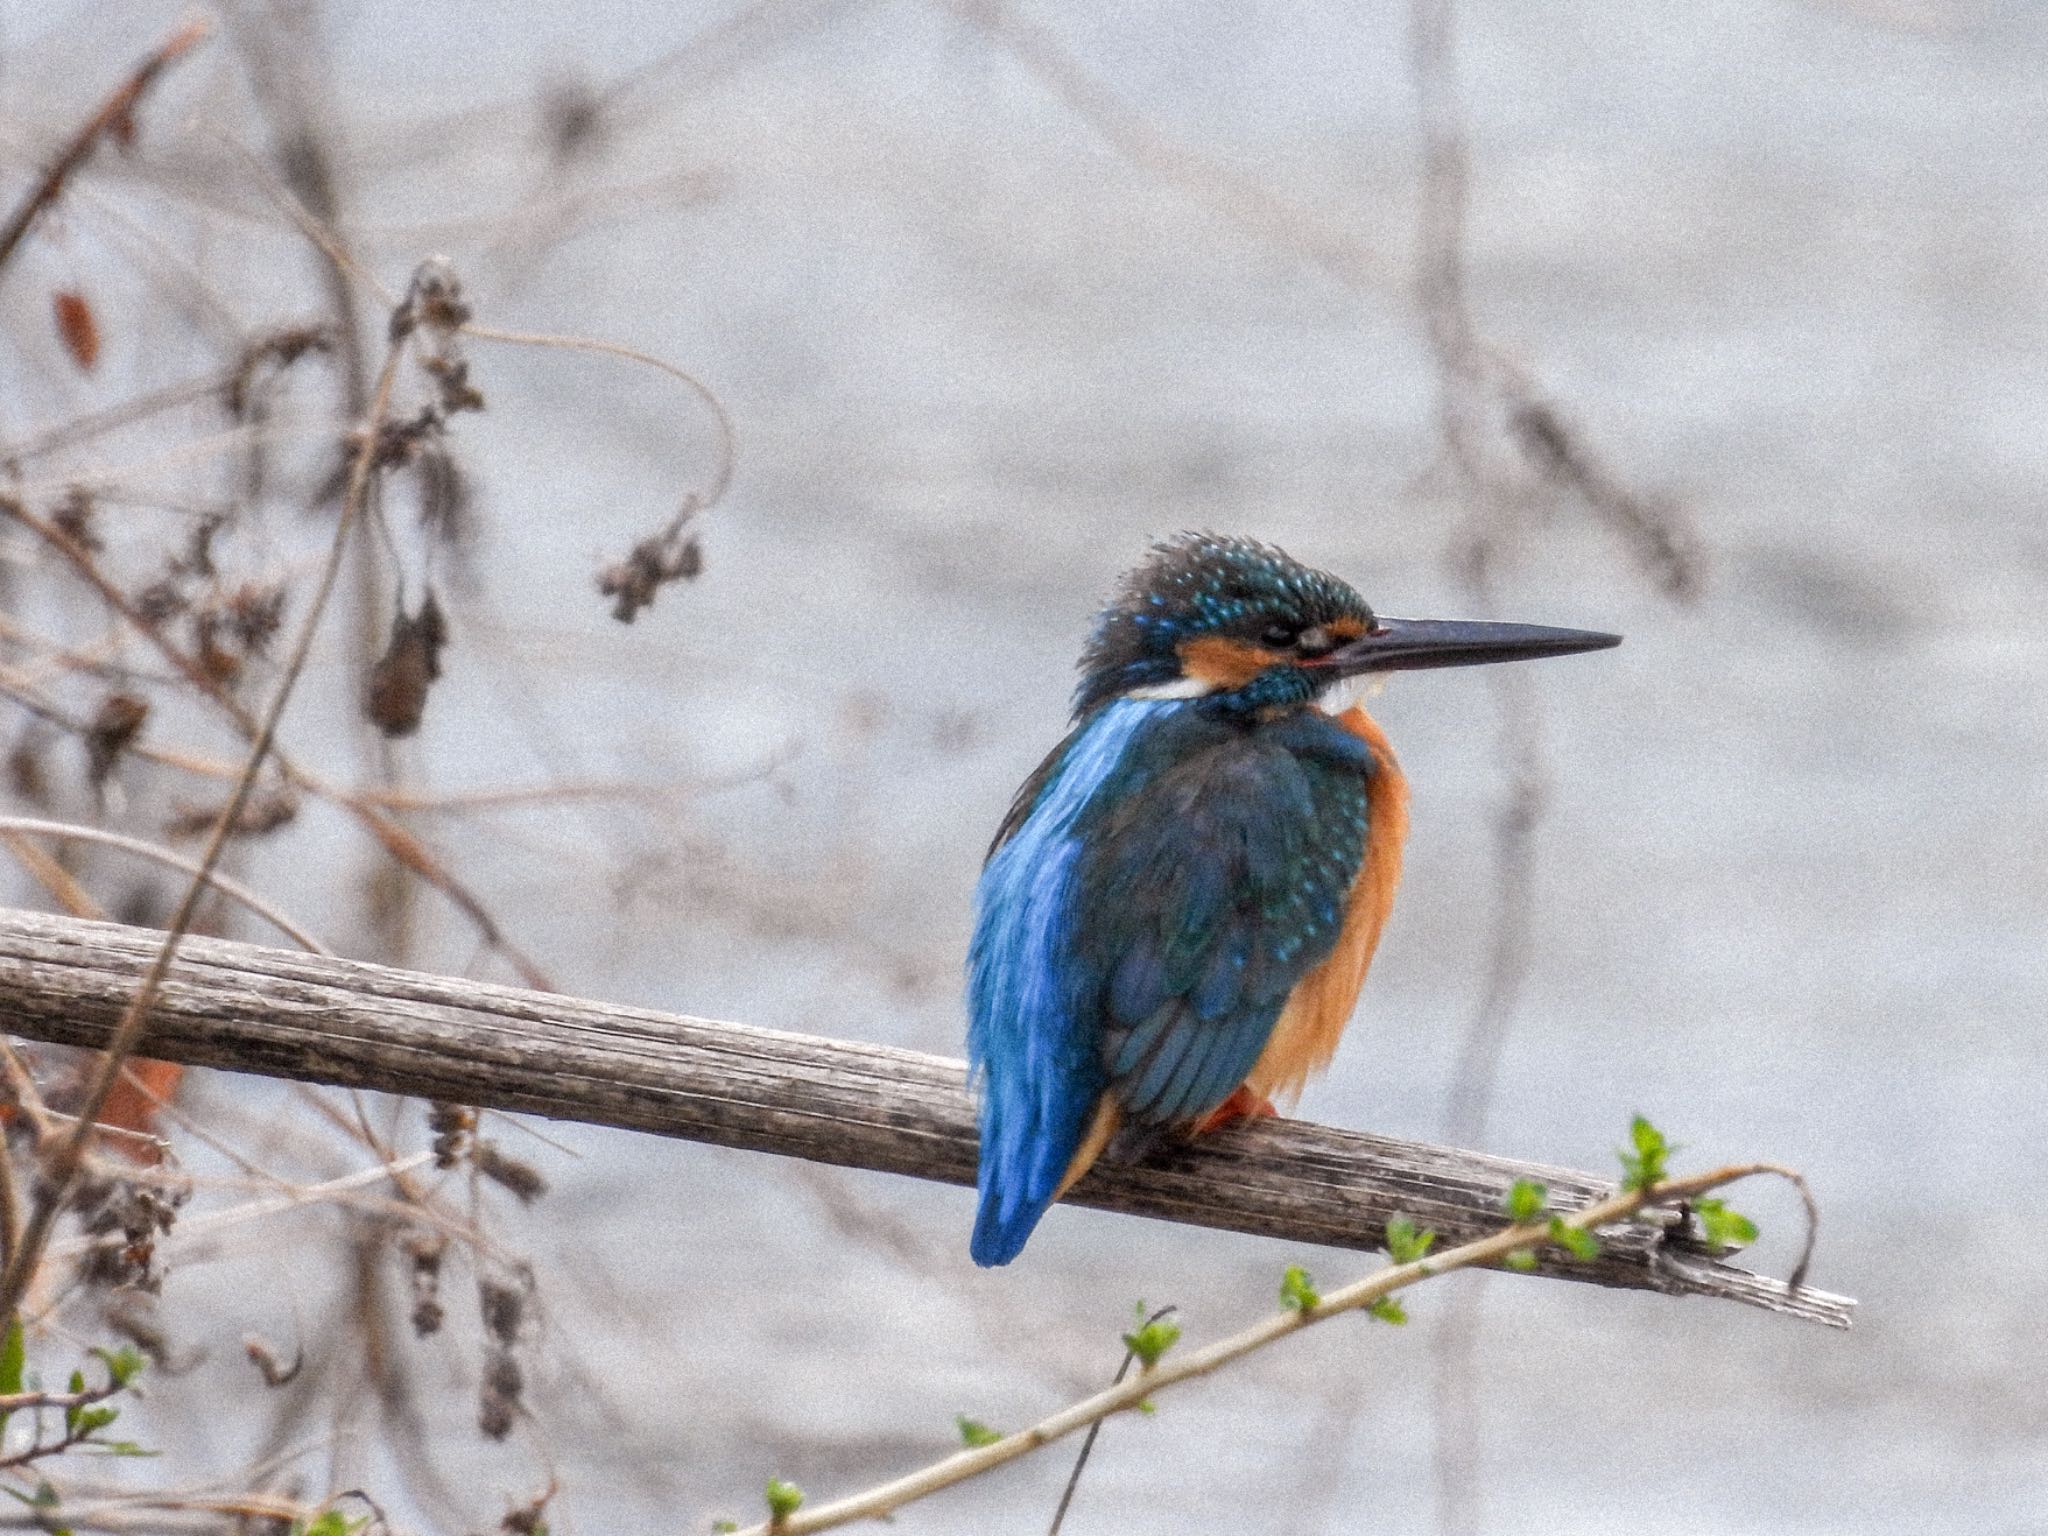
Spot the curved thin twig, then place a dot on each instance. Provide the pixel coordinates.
(728, 440)
(885, 1499)
(227, 885)
(116, 116)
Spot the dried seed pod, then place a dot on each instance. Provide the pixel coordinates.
(73, 518)
(498, 1397)
(76, 327)
(410, 665)
(115, 725)
(503, 1307)
(263, 1355)
(522, 1178)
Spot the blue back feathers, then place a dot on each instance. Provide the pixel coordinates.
(1167, 876)
(1027, 1037)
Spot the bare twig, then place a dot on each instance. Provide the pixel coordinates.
(1500, 441)
(671, 553)
(291, 1197)
(115, 116)
(1241, 199)
(156, 854)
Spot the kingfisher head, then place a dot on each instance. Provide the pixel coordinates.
(1246, 626)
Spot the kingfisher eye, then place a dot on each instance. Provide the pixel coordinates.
(1280, 637)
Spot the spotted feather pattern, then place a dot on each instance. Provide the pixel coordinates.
(1207, 896)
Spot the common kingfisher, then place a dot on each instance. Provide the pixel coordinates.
(1177, 914)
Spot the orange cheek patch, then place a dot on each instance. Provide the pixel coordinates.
(1225, 663)
(1345, 629)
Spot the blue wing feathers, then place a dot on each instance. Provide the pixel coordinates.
(1037, 1057)
(1161, 885)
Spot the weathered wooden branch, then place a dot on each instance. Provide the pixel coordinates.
(283, 1014)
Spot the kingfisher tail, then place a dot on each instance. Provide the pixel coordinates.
(1014, 1197)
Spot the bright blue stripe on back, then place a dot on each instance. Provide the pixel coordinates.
(1039, 1065)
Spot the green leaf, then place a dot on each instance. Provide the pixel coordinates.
(1722, 1227)
(1387, 1310)
(1406, 1244)
(1526, 1201)
(1576, 1241)
(1647, 1165)
(1522, 1260)
(1147, 1407)
(83, 1421)
(329, 1522)
(13, 1360)
(122, 1448)
(975, 1433)
(784, 1499)
(13, 1357)
(719, 1527)
(1149, 1340)
(123, 1364)
(1298, 1293)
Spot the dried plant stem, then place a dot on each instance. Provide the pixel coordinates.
(1240, 199)
(394, 838)
(10, 1203)
(290, 1197)
(885, 1499)
(61, 1169)
(234, 890)
(115, 115)
(721, 476)
(52, 877)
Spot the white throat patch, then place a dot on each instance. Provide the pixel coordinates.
(1350, 692)
(1179, 688)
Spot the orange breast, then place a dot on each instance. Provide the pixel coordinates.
(1317, 1010)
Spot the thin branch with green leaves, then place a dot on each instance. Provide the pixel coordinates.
(1532, 1226)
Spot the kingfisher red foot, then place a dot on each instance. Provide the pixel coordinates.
(1244, 1103)
(1178, 912)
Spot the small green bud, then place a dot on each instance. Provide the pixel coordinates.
(1576, 1241)
(974, 1433)
(1405, 1244)
(1152, 1338)
(784, 1499)
(1722, 1227)
(1647, 1166)
(1297, 1292)
(1526, 1201)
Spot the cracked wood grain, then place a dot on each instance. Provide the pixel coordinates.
(245, 1008)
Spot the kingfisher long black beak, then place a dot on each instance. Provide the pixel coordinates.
(1406, 645)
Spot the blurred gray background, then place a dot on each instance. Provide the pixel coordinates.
(1784, 266)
